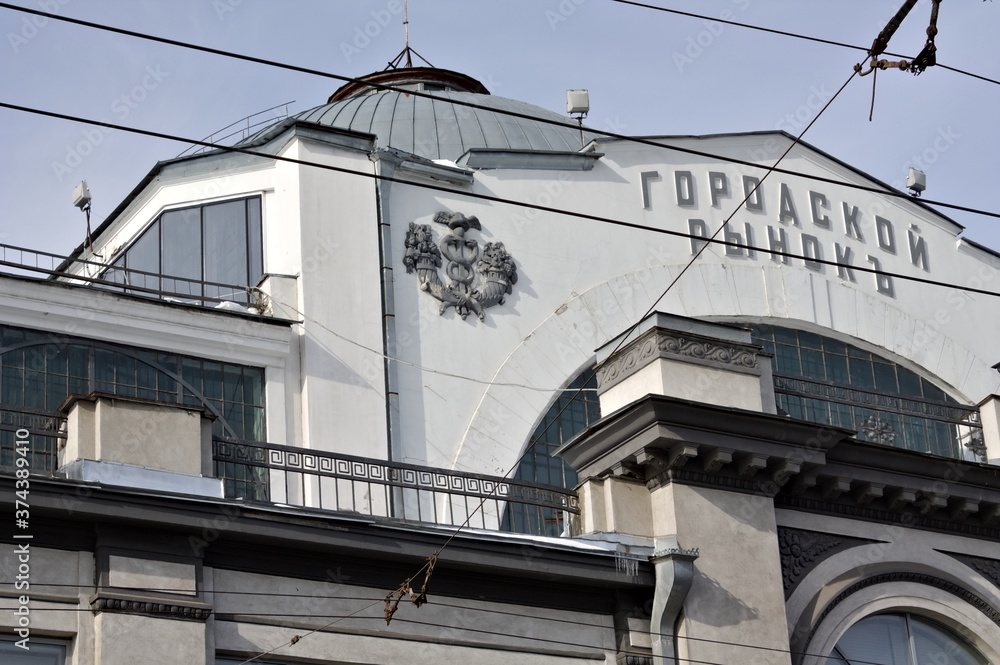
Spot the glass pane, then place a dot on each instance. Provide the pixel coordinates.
(861, 373)
(180, 231)
(256, 243)
(878, 639)
(885, 377)
(810, 340)
(144, 254)
(909, 383)
(935, 645)
(836, 369)
(40, 653)
(812, 364)
(786, 359)
(225, 245)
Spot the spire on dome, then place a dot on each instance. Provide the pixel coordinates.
(407, 51)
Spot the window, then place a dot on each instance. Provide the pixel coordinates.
(38, 370)
(40, 652)
(572, 412)
(827, 381)
(202, 251)
(902, 639)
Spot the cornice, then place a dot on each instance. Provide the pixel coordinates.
(157, 607)
(683, 346)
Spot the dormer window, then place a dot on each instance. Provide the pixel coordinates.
(209, 251)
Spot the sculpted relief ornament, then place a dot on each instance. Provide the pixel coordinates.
(476, 279)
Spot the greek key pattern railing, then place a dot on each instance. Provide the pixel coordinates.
(272, 473)
(872, 399)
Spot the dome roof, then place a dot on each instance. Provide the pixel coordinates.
(435, 128)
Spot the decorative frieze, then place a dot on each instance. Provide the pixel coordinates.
(662, 343)
(154, 607)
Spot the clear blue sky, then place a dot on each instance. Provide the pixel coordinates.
(648, 73)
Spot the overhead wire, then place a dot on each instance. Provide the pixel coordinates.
(425, 568)
(428, 566)
(500, 199)
(786, 33)
(884, 191)
(237, 615)
(770, 170)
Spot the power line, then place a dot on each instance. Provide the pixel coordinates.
(236, 616)
(794, 35)
(883, 191)
(427, 566)
(498, 199)
(433, 603)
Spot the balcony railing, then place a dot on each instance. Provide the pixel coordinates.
(947, 429)
(45, 429)
(272, 473)
(123, 280)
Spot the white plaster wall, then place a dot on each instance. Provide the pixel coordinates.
(583, 282)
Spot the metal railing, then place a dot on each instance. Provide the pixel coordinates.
(272, 473)
(244, 128)
(45, 429)
(123, 280)
(917, 424)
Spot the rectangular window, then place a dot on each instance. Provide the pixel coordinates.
(41, 652)
(180, 238)
(218, 242)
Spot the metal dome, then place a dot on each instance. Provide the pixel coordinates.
(435, 128)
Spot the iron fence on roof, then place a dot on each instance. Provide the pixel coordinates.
(111, 277)
(271, 473)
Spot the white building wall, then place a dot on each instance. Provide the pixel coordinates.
(582, 282)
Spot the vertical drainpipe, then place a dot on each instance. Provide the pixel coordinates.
(674, 569)
(387, 167)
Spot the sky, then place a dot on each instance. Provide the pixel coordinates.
(648, 73)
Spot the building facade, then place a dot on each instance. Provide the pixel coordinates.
(282, 375)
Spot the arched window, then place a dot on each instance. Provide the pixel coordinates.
(572, 411)
(39, 370)
(902, 639)
(824, 380)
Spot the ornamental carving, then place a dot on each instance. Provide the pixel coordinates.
(663, 342)
(477, 278)
(800, 551)
(169, 610)
(988, 568)
(877, 430)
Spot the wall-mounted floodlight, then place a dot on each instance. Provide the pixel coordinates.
(916, 181)
(578, 104)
